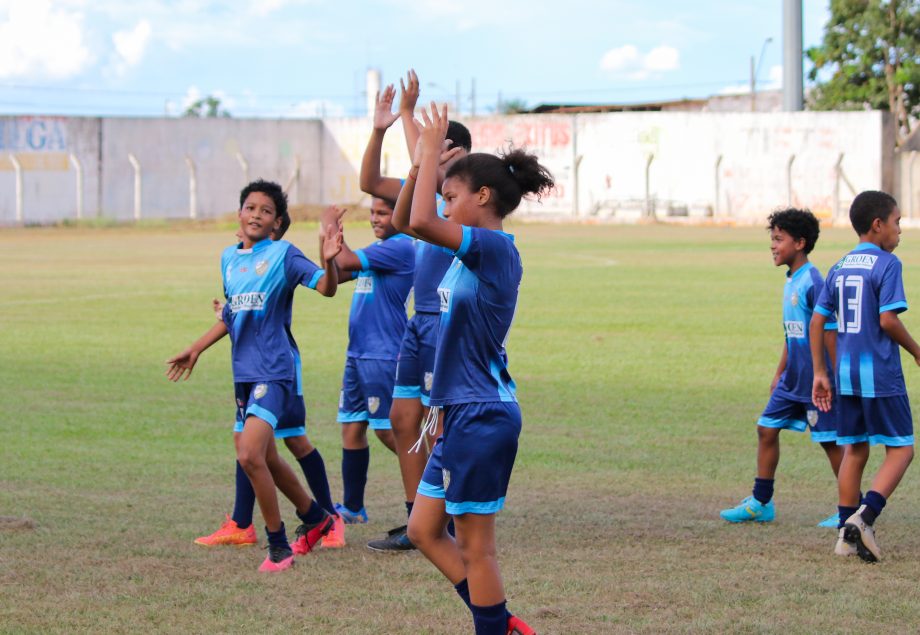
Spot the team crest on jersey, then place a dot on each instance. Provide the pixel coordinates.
(794, 299)
(373, 403)
(446, 475)
(261, 267)
(444, 296)
(260, 390)
(429, 380)
(812, 417)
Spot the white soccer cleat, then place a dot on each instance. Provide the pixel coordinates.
(843, 546)
(862, 534)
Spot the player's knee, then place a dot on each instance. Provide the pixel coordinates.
(767, 435)
(299, 446)
(250, 459)
(420, 535)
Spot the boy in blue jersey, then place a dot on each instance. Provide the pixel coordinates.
(260, 277)
(793, 234)
(469, 469)
(238, 529)
(866, 292)
(383, 273)
(415, 371)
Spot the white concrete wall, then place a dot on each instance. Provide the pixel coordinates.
(599, 161)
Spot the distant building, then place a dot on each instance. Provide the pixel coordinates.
(764, 101)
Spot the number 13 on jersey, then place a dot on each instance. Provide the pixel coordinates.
(849, 303)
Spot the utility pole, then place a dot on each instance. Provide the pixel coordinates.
(793, 89)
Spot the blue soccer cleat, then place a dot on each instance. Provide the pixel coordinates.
(750, 509)
(831, 521)
(351, 518)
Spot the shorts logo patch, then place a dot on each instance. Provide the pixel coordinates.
(429, 380)
(373, 403)
(261, 267)
(812, 417)
(260, 390)
(446, 475)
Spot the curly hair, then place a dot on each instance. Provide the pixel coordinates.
(798, 223)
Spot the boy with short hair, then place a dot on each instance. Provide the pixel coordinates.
(866, 292)
(793, 234)
(383, 273)
(260, 277)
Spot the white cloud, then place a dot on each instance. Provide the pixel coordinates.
(37, 39)
(130, 46)
(629, 61)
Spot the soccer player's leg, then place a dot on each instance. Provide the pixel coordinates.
(478, 456)
(780, 414)
(823, 426)
(257, 435)
(237, 530)
(353, 418)
(888, 423)
(852, 436)
(427, 527)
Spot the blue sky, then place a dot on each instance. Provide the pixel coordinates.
(289, 58)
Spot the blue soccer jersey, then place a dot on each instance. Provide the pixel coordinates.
(431, 263)
(799, 297)
(862, 285)
(259, 286)
(378, 306)
(477, 297)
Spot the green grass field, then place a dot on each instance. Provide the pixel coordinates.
(643, 356)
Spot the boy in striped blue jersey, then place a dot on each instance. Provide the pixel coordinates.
(866, 292)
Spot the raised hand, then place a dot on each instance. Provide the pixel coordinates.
(332, 241)
(332, 215)
(383, 115)
(182, 364)
(433, 130)
(408, 94)
(447, 159)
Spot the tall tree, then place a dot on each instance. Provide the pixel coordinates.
(869, 58)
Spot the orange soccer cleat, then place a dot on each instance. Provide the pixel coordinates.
(229, 534)
(335, 539)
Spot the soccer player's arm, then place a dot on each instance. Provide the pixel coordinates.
(370, 179)
(180, 366)
(423, 219)
(892, 301)
(408, 97)
(821, 394)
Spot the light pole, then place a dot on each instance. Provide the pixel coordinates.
(755, 71)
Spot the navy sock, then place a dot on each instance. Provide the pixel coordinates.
(490, 620)
(277, 538)
(409, 505)
(314, 469)
(763, 490)
(844, 513)
(463, 590)
(354, 477)
(874, 503)
(312, 515)
(245, 499)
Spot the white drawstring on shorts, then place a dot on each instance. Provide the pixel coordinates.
(430, 426)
